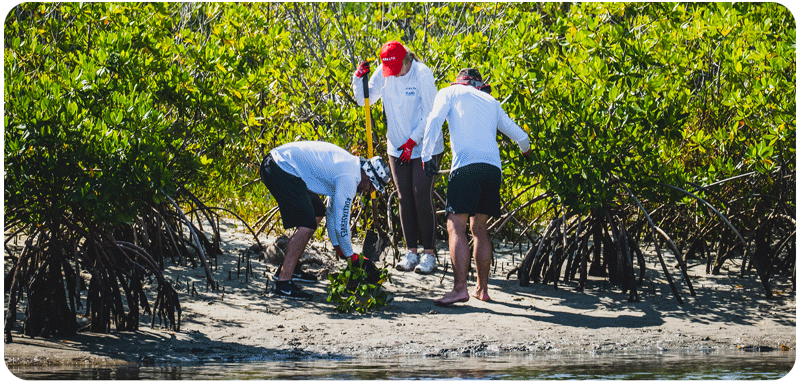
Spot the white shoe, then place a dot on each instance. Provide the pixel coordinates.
(409, 262)
(426, 265)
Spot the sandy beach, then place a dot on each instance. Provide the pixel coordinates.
(241, 322)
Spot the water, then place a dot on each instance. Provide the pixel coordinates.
(674, 364)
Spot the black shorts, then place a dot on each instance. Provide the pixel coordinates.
(474, 189)
(299, 207)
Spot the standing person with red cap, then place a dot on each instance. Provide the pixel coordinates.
(407, 89)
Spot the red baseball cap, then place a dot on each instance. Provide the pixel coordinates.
(392, 55)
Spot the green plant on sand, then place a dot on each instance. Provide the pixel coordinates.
(352, 289)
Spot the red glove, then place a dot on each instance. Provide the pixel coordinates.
(407, 148)
(354, 258)
(340, 254)
(363, 68)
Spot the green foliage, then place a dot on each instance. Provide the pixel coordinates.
(616, 90)
(107, 103)
(350, 290)
(78, 125)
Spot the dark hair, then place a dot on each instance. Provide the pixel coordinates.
(472, 77)
(469, 72)
(411, 56)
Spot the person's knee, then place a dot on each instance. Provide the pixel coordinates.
(304, 231)
(479, 230)
(479, 226)
(456, 224)
(452, 230)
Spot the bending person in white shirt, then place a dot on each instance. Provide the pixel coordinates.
(473, 191)
(296, 174)
(407, 89)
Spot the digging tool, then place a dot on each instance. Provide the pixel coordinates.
(374, 240)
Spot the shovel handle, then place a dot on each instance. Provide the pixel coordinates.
(365, 84)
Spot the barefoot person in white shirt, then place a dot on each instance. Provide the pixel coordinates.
(473, 191)
(407, 89)
(296, 174)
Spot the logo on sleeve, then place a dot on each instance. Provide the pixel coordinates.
(344, 226)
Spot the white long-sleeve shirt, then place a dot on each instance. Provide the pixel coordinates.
(474, 117)
(407, 101)
(327, 170)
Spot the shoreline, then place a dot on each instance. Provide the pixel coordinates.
(241, 323)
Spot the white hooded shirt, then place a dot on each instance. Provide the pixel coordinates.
(407, 101)
(328, 170)
(474, 117)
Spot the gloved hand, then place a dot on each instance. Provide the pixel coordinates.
(430, 167)
(363, 68)
(527, 154)
(339, 252)
(354, 258)
(407, 148)
(373, 274)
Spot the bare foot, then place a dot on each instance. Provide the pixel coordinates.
(481, 295)
(451, 298)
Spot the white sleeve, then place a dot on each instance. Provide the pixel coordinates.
(427, 94)
(376, 83)
(512, 130)
(433, 125)
(338, 213)
(329, 225)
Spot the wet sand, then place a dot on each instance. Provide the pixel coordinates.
(244, 323)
